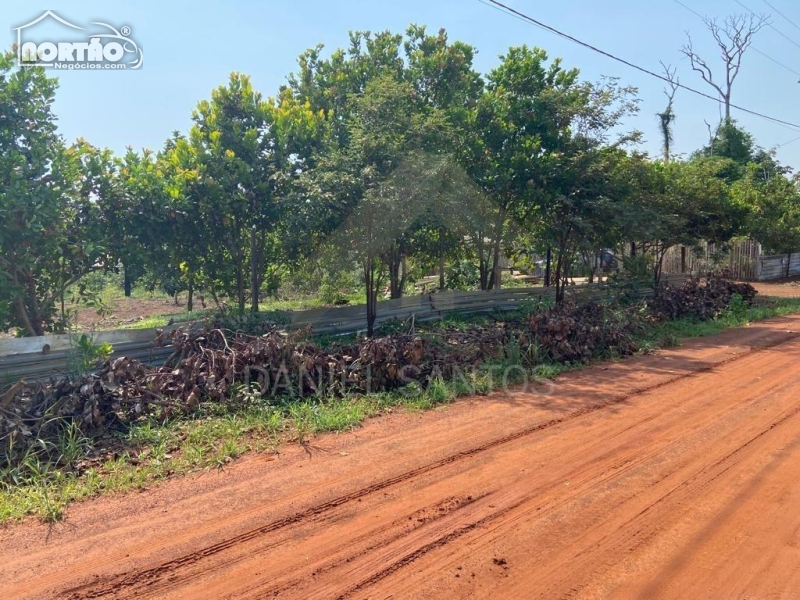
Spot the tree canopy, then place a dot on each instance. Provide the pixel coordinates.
(392, 157)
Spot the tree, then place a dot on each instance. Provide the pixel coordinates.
(360, 202)
(571, 199)
(691, 203)
(773, 205)
(443, 202)
(733, 37)
(48, 233)
(738, 147)
(521, 116)
(440, 77)
(234, 150)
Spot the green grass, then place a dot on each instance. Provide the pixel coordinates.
(156, 321)
(669, 333)
(215, 437)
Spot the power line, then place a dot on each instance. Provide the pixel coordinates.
(523, 17)
(777, 62)
(753, 48)
(770, 25)
(781, 14)
(691, 10)
(787, 143)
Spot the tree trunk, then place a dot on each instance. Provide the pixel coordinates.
(633, 249)
(559, 279)
(683, 259)
(63, 309)
(35, 311)
(395, 278)
(372, 294)
(254, 283)
(548, 262)
(498, 239)
(441, 258)
(190, 293)
(404, 276)
(661, 252)
(215, 297)
(127, 283)
(240, 282)
(483, 268)
(22, 315)
(788, 263)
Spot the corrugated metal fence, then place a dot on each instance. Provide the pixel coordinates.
(779, 266)
(38, 357)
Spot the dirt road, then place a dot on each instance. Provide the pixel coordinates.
(779, 290)
(675, 475)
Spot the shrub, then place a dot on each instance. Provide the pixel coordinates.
(462, 275)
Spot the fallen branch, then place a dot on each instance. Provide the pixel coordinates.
(9, 394)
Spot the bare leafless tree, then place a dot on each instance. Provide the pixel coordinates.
(668, 116)
(733, 36)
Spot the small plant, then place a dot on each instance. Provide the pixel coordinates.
(302, 416)
(513, 354)
(86, 355)
(737, 309)
(439, 391)
(246, 394)
(72, 445)
(394, 326)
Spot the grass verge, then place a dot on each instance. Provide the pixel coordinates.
(153, 451)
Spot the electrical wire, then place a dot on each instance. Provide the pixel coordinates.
(753, 48)
(781, 14)
(523, 17)
(787, 143)
(770, 25)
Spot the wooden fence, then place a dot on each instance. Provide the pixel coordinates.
(39, 357)
(741, 258)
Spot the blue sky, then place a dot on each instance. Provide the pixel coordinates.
(191, 47)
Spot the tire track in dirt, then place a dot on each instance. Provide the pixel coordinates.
(366, 539)
(520, 509)
(597, 474)
(636, 532)
(565, 573)
(145, 579)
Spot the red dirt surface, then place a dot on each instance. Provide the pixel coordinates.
(124, 311)
(787, 289)
(673, 475)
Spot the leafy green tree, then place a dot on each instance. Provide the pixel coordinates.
(360, 201)
(234, 151)
(441, 80)
(48, 238)
(773, 205)
(686, 203)
(521, 116)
